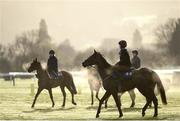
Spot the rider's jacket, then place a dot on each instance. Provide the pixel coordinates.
(136, 62)
(52, 64)
(124, 58)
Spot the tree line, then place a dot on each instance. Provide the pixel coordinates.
(37, 43)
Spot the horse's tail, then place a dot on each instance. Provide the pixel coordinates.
(69, 81)
(160, 87)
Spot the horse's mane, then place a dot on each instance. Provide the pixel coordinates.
(105, 63)
(44, 70)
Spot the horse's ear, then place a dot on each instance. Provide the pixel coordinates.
(95, 51)
(35, 59)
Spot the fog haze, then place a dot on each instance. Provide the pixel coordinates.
(87, 22)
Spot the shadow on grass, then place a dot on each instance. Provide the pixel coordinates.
(48, 110)
(124, 109)
(96, 107)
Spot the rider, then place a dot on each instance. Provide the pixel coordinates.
(136, 62)
(124, 64)
(52, 65)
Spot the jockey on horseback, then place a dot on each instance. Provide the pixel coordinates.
(122, 69)
(124, 64)
(136, 61)
(52, 65)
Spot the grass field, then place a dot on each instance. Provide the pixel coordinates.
(15, 103)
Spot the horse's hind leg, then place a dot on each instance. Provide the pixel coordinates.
(118, 104)
(72, 94)
(97, 94)
(155, 102)
(92, 97)
(106, 102)
(148, 101)
(106, 95)
(51, 96)
(133, 96)
(148, 93)
(64, 96)
(37, 94)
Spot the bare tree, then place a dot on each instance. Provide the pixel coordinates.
(168, 36)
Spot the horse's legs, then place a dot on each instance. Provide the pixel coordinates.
(106, 95)
(72, 94)
(92, 97)
(133, 96)
(119, 97)
(64, 96)
(51, 96)
(150, 96)
(106, 102)
(97, 94)
(37, 94)
(148, 101)
(155, 102)
(118, 104)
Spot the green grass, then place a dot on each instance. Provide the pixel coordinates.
(15, 103)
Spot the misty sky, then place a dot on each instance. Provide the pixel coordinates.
(85, 22)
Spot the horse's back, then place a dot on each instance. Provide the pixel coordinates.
(143, 77)
(65, 73)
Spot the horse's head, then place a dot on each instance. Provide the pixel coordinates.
(34, 65)
(92, 60)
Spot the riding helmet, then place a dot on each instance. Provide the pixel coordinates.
(123, 43)
(51, 52)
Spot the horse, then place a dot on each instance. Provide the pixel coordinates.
(143, 79)
(45, 82)
(95, 83)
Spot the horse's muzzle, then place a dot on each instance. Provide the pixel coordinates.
(83, 64)
(29, 70)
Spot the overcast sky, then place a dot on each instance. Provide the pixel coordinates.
(85, 22)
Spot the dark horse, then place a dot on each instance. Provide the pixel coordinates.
(95, 84)
(143, 79)
(44, 82)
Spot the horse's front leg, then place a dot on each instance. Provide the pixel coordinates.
(106, 95)
(51, 96)
(118, 103)
(37, 94)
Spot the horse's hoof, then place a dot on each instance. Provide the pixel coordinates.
(120, 115)
(53, 106)
(32, 106)
(143, 114)
(155, 115)
(105, 106)
(132, 105)
(97, 116)
(74, 103)
(63, 106)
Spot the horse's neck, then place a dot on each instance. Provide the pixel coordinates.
(41, 72)
(103, 68)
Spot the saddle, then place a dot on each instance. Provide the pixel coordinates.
(55, 76)
(123, 75)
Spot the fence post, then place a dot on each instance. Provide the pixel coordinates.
(13, 79)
